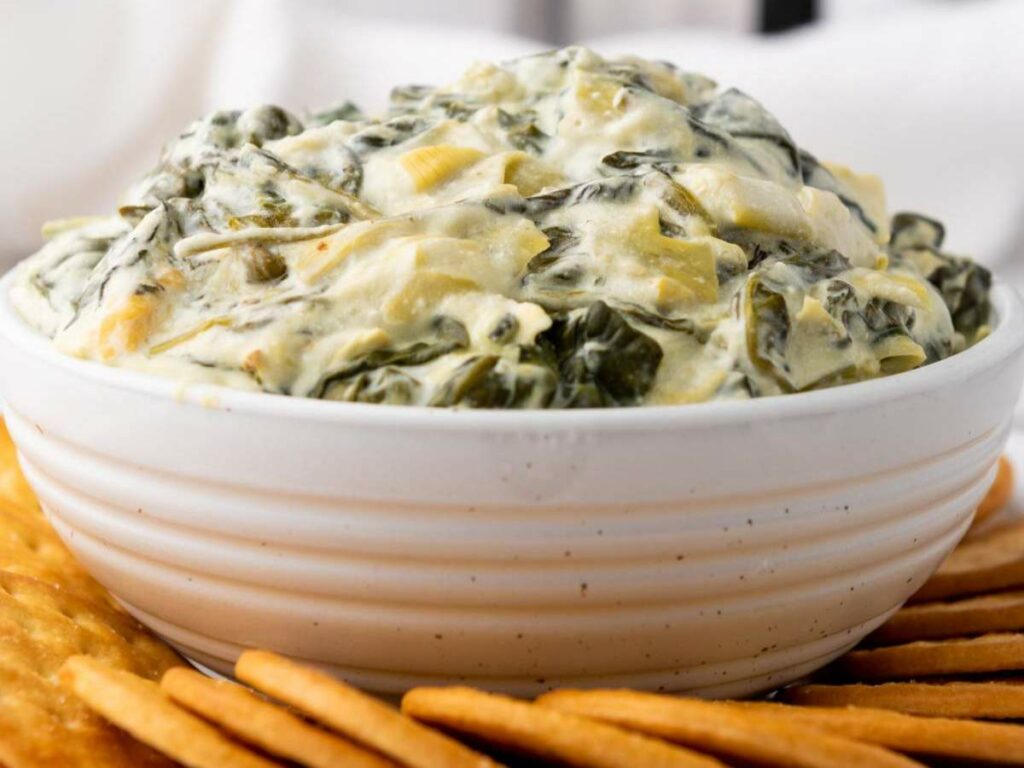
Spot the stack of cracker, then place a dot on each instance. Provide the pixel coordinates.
(50, 610)
(82, 684)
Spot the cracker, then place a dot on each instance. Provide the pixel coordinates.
(933, 737)
(40, 627)
(30, 547)
(1001, 612)
(362, 718)
(544, 732)
(255, 721)
(992, 560)
(139, 707)
(727, 733)
(991, 701)
(987, 653)
(998, 495)
(13, 486)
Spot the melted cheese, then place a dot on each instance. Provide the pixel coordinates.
(451, 251)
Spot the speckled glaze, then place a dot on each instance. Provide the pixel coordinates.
(722, 548)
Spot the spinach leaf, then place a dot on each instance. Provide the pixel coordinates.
(388, 385)
(450, 335)
(744, 118)
(963, 284)
(602, 360)
(347, 111)
(816, 175)
(549, 262)
(489, 381)
(387, 134)
(628, 161)
(522, 131)
(912, 230)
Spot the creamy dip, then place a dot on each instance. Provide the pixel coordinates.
(558, 231)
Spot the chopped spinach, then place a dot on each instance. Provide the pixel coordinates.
(489, 381)
(522, 131)
(963, 284)
(346, 110)
(602, 360)
(449, 336)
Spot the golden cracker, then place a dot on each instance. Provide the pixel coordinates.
(271, 728)
(40, 725)
(30, 547)
(991, 561)
(138, 706)
(727, 733)
(13, 486)
(544, 732)
(362, 718)
(998, 495)
(937, 737)
(986, 701)
(1000, 612)
(930, 658)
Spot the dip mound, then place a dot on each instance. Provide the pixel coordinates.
(559, 231)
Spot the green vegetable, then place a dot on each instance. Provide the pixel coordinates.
(449, 336)
(346, 110)
(262, 265)
(489, 381)
(388, 385)
(602, 360)
(522, 131)
(963, 284)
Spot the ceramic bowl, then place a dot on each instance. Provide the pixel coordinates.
(721, 548)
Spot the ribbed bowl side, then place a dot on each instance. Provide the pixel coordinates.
(722, 548)
(728, 595)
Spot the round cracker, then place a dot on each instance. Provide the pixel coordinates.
(986, 701)
(727, 733)
(1001, 612)
(139, 707)
(256, 721)
(955, 741)
(925, 658)
(30, 547)
(990, 561)
(13, 486)
(362, 718)
(544, 732)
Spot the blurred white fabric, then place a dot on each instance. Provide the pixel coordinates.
(929, 97)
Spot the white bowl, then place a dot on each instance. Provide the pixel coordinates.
(721, 548)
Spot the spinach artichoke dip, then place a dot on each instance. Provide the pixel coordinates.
(559, 231)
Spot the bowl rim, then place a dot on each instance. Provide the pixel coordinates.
(1006, 339)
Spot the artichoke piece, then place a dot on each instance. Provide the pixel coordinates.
(488, 381)
(433, 165)
(767, 328)
(602, 360)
